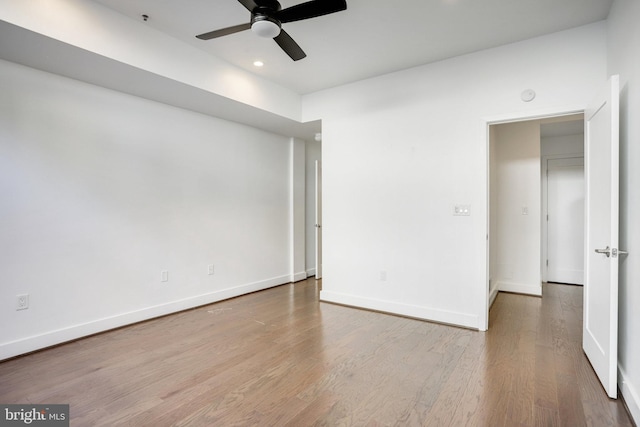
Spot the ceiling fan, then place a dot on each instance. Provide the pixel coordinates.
(267, 17)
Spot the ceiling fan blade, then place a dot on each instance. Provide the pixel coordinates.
(290, 47)
(249, 4)
(310, 9)
(224, 31)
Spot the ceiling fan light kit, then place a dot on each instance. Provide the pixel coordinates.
(265, 27)
(267, 17)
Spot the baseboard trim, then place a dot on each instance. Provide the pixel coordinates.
(56, 337)
(408, 310)
(493, 294)
(629, 394)
(311, 272)
(296, 277)
(520, 288)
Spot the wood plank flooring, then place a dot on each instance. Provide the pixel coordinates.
(279, 357)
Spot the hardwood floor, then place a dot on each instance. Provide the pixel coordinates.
(279, 357)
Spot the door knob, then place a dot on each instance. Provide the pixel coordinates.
(606, 251)
(611, 252)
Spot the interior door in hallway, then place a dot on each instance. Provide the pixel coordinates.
(565, 220)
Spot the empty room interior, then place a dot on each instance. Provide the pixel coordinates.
(393, 213)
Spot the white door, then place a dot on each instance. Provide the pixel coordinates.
(600, 324)
(318, 220)
(565, 220)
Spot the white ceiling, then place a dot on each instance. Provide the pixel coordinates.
(370, 38)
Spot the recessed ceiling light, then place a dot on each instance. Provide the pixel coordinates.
(258, 63)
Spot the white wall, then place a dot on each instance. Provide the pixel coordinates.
(101, 191)
(516, 267)
(298, 210)
(96, 28)
(623, 48)
(400, 150)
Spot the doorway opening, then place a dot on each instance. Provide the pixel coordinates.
(562, 243)
(601, 168)
(527, 243)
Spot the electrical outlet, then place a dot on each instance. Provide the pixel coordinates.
(22, 302)
(383, 276)
(210, 269)
(164, 276)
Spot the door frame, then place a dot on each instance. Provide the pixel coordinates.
(486, 122)
(545, 208)
(318, 218)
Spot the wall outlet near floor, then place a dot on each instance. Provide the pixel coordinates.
(164, 276)
(210, 269)
(22, 302)
(383, 276)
